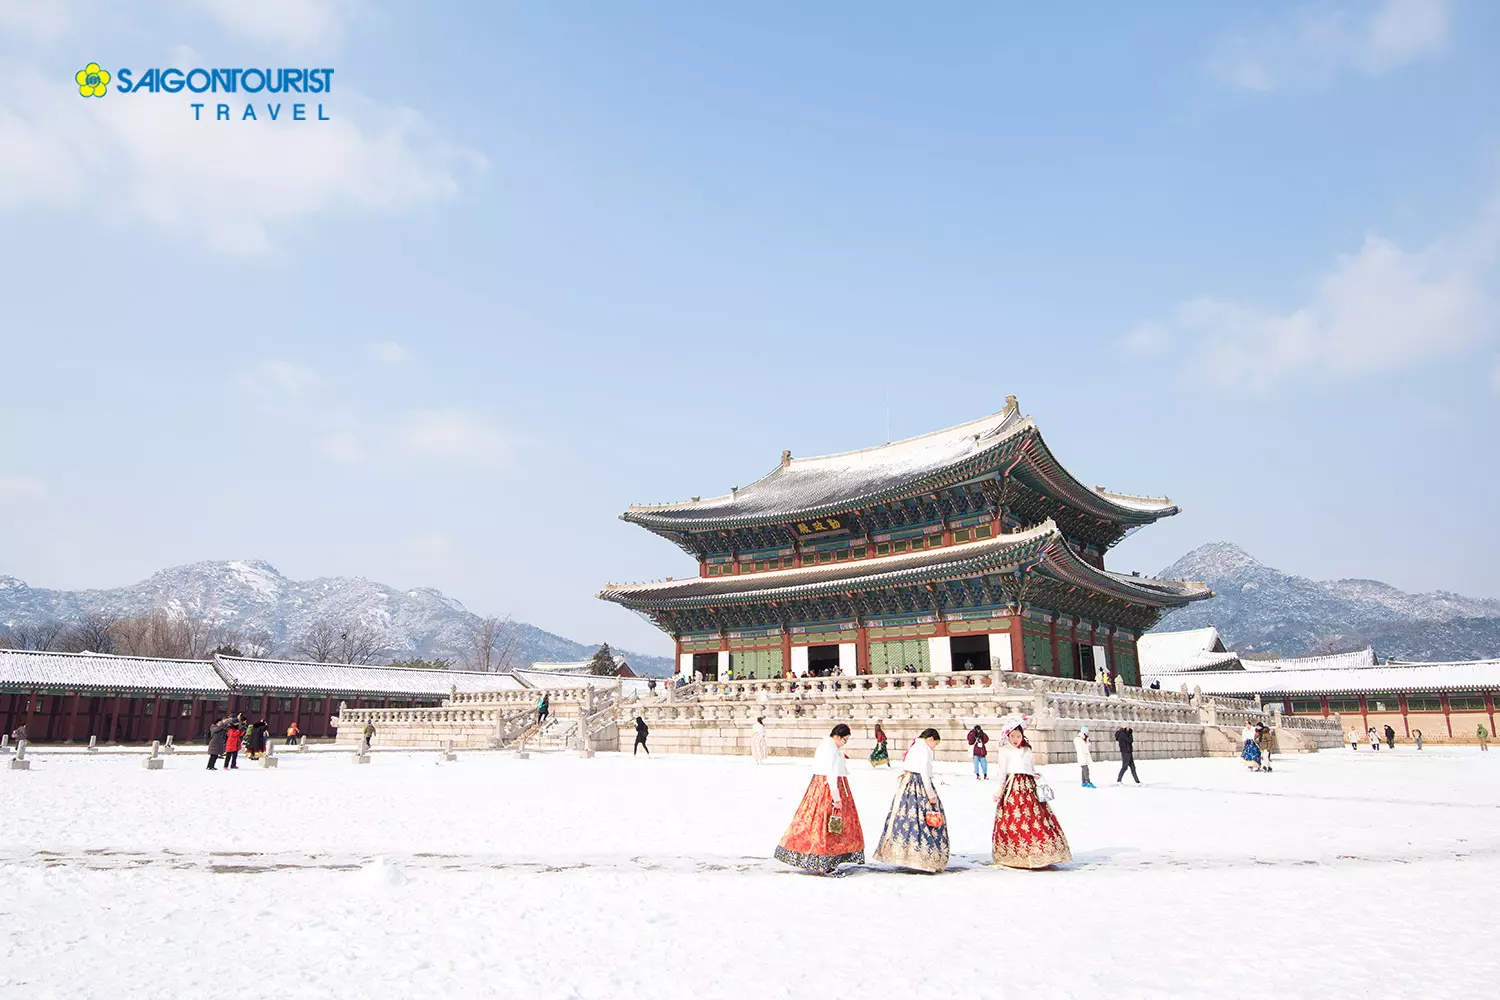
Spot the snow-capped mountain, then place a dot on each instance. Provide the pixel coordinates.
(251, 596)
(1261, 609)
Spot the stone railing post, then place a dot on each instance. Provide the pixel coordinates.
(19, 762)
(269, 760)
(154, 762)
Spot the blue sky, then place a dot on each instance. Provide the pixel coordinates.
(548, 260)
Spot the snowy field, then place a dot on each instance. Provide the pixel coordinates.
(1341, 874)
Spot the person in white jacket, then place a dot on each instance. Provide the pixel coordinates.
(1083, 751)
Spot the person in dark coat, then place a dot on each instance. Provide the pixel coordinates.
(1390, 737)
(218, 739)
(641, 731)
(977, 739)
(1125, 738)
(256, 740)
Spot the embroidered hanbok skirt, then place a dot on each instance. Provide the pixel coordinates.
(807, 842)
(907, 841)
(1251, 752)
(880, 755)
(1027, 834)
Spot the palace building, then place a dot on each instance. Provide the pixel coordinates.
(969, 548)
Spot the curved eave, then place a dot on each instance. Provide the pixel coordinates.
(1042, 546)
(1049, 476)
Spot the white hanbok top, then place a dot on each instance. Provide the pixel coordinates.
(828, 760)
(1247, 735)
(919, 761)
(1018, 760)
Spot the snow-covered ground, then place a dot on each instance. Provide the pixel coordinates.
(1339, 874)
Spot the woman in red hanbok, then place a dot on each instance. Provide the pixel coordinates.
(1026, 834)
(825, 832)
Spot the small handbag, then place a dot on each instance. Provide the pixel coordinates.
(1043, 791)
(835, 824)
(934, 819)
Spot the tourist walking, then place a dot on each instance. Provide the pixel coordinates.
(979, 747)
(1249, 750)
(1084, 755)
(1374, 738)
(256, 740)
(1026, 833)
(1390, 738)
(233, 737)
(1125, 740)
(916, 830)
(218, 739)
(1353, 739)
(18, 734)
(292, 732)
(641, 732)
(369, 737)
(1484, 737)
(1418, 734)
(825, 831)
(758, 748)
(881, 754)
(543, 706)
(1102, 676)
(1265, 739)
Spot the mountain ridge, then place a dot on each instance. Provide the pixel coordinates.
(1260, 609)
(252, 596)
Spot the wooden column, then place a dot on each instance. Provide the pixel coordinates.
(786, 652)
(156, 730)
(73, 717)
(862, 651)
(265, 708)
(1489, 704)
(1447, 719)
(114, 720)
(30, 712)
(1017, 645)
(1406, 722)
(1323, 700)
(1056, 662)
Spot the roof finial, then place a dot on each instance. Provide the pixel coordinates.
(786, 457)
(1011, 404)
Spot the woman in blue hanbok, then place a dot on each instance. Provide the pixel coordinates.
(916, 831)
(1251, 752)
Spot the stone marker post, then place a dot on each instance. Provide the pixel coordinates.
(269, 760)
(171, 746)
(93, 744)
(301, 744)
(20, 763)
(448, 754)
(154, 762)
(5, 742)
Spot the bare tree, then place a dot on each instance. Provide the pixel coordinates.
(40, 635)
(259, 644)
(353, 642)
(320, 643)
(94, 632)
(492, 644)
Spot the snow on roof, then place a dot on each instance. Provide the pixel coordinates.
(1191, 649)
(1358, 658)
(562, 666)
(28, 670)
(1473, 675)
(357, 680)
(555, 679)
(841, 481)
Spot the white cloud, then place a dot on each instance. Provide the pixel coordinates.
(1319, 44)
(1377, 310)
(454, 435)
(389, 352)
(280, 379)
(300, 23)
(21, 488)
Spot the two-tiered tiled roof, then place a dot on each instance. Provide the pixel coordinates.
(809, 488)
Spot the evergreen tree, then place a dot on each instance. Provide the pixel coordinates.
(603, 664)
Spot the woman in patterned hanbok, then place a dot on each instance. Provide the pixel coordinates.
(825, 832)
(1026, 833)
(880, 755)
(916, 831)
(1249, 750)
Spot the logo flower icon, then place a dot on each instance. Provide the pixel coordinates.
(92, 81)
